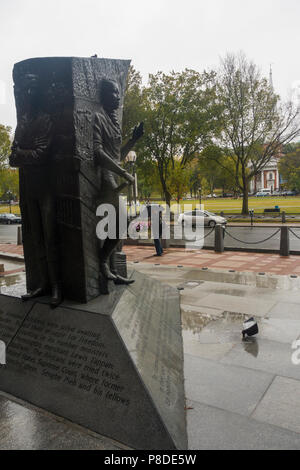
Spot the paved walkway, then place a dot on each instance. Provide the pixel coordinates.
(239, 261)
(240, 394)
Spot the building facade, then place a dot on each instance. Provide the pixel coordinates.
(268, 178)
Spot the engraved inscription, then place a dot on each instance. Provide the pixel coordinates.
(76, 357)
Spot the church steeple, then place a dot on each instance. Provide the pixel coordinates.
(271, 77)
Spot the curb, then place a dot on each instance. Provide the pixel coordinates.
(12, 256)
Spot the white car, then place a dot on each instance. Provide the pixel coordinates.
(210, 219)
(263, 193)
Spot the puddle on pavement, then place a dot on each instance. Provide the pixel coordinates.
(14, 285)
(214, 335)
(251, 346)
(272, 281)
(229, 291)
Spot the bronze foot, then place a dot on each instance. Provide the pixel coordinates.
(106, 272)
(123, 280)
(56, 297)
(38, 292)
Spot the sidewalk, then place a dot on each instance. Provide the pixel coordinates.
(239, 394)
(239, 261)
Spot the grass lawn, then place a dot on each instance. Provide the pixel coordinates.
(15, 209)
(291, 205)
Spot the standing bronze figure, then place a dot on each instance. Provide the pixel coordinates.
(31, 152)
(108, 154)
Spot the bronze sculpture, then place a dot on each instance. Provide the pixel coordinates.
(108, 153)
(67, 147)
(31, 152)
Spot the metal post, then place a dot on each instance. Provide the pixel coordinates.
(284, 242)
(283, 219)
(219, 238)
(19, 236)
(251, 213)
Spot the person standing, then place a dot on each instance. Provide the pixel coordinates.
(156, 222)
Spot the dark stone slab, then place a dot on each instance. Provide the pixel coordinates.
(116, 368)
(12, 314)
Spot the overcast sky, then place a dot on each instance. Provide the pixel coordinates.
(156, 34)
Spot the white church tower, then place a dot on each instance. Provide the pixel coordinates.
(268, 178)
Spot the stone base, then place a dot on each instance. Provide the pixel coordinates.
(114, 365)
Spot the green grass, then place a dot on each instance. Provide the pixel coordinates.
(15, 209)
(291, 205)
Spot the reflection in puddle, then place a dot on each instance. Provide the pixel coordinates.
(195, 322)
(251, 346)
(14, 285)
(211, 332)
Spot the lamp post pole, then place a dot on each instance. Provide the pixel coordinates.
(10, 196)
(200, 196)
(131, 159)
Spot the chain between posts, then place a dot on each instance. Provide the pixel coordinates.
(205, 236)
(253, 243)
(297, 236)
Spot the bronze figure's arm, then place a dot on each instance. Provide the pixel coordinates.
(138, 132)
(39, 152)
(105, 160)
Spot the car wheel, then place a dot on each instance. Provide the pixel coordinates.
(212, 223)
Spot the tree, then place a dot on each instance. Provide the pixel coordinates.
(218, 169)
(133, 110)
(5, 144)
(178, 183)
(147, 177)
(255, 125)
(180, 110)
(9, 183)
(289, 166)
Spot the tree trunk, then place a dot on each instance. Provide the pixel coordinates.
(245, 209)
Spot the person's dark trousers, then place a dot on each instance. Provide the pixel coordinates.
(158, 247)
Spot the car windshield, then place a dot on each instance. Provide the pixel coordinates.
(210, 213)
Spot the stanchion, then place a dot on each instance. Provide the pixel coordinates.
(283, 218)
(284, 241)
(219, 238)
(19, 236)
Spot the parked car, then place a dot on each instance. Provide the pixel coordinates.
(263, 193)
(289, 193)
(210, 219)
(211, 195)
(10, 219)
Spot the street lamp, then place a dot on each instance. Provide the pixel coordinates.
(200, 195)
(131, 159)
(10, 196)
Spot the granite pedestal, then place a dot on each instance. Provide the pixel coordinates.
(114, 365)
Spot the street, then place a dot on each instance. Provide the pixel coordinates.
(8, 233)
(250, 235)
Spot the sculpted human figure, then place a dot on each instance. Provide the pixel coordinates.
(31, 152)
(108, 154)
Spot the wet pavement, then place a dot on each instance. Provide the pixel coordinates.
(240, 394)
(236, 261)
